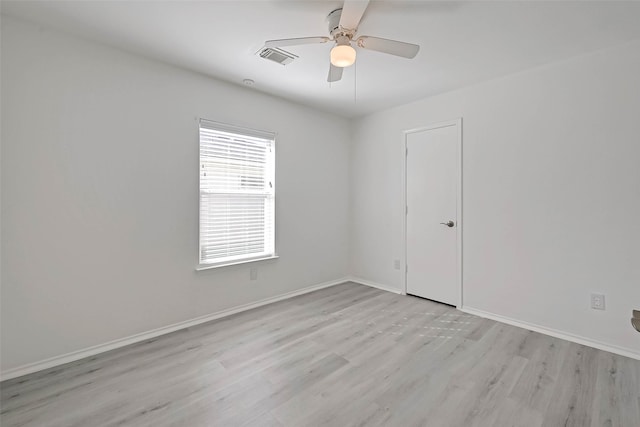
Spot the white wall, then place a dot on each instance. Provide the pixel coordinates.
(100, 195)
(551, 199)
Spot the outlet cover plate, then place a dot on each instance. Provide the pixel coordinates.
(597, 302)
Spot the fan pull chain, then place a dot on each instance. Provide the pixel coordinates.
(355, 82)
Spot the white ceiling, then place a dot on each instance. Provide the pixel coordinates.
(461, 42)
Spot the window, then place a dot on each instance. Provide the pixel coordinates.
(237, 194)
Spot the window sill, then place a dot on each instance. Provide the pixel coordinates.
(227, 264)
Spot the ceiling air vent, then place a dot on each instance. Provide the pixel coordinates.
(277, 55)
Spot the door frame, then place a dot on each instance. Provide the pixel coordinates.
(458, 124)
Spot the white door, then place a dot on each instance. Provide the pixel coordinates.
(431, 226)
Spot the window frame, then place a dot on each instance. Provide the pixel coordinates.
(242, 132)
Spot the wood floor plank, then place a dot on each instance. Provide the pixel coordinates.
(617, 392)
(574, 390)
(534, 388)
(347, 355)
(515, 414)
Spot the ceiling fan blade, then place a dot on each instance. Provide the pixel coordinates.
(295, 42)
(335, 73)
(352, 12)
(392, 47)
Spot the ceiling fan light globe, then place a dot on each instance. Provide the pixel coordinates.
(343, 56)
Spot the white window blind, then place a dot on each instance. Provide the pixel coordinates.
(237, 194)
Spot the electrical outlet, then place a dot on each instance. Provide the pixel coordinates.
(597, 301)
(253, 273)
(396, 264)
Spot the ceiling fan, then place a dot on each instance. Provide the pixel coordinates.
(343, 27)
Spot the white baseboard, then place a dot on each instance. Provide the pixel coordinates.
(111, 345)
(554, 333)
(373, 284)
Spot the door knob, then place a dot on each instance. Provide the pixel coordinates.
(448, 223)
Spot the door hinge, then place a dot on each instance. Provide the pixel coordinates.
(406, 211)
(406, 268)
(406, 151)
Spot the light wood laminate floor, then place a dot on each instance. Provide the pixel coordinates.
(348, 355)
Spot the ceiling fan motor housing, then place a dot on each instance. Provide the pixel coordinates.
(333, 19)
(334, 26)
(343, 40)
